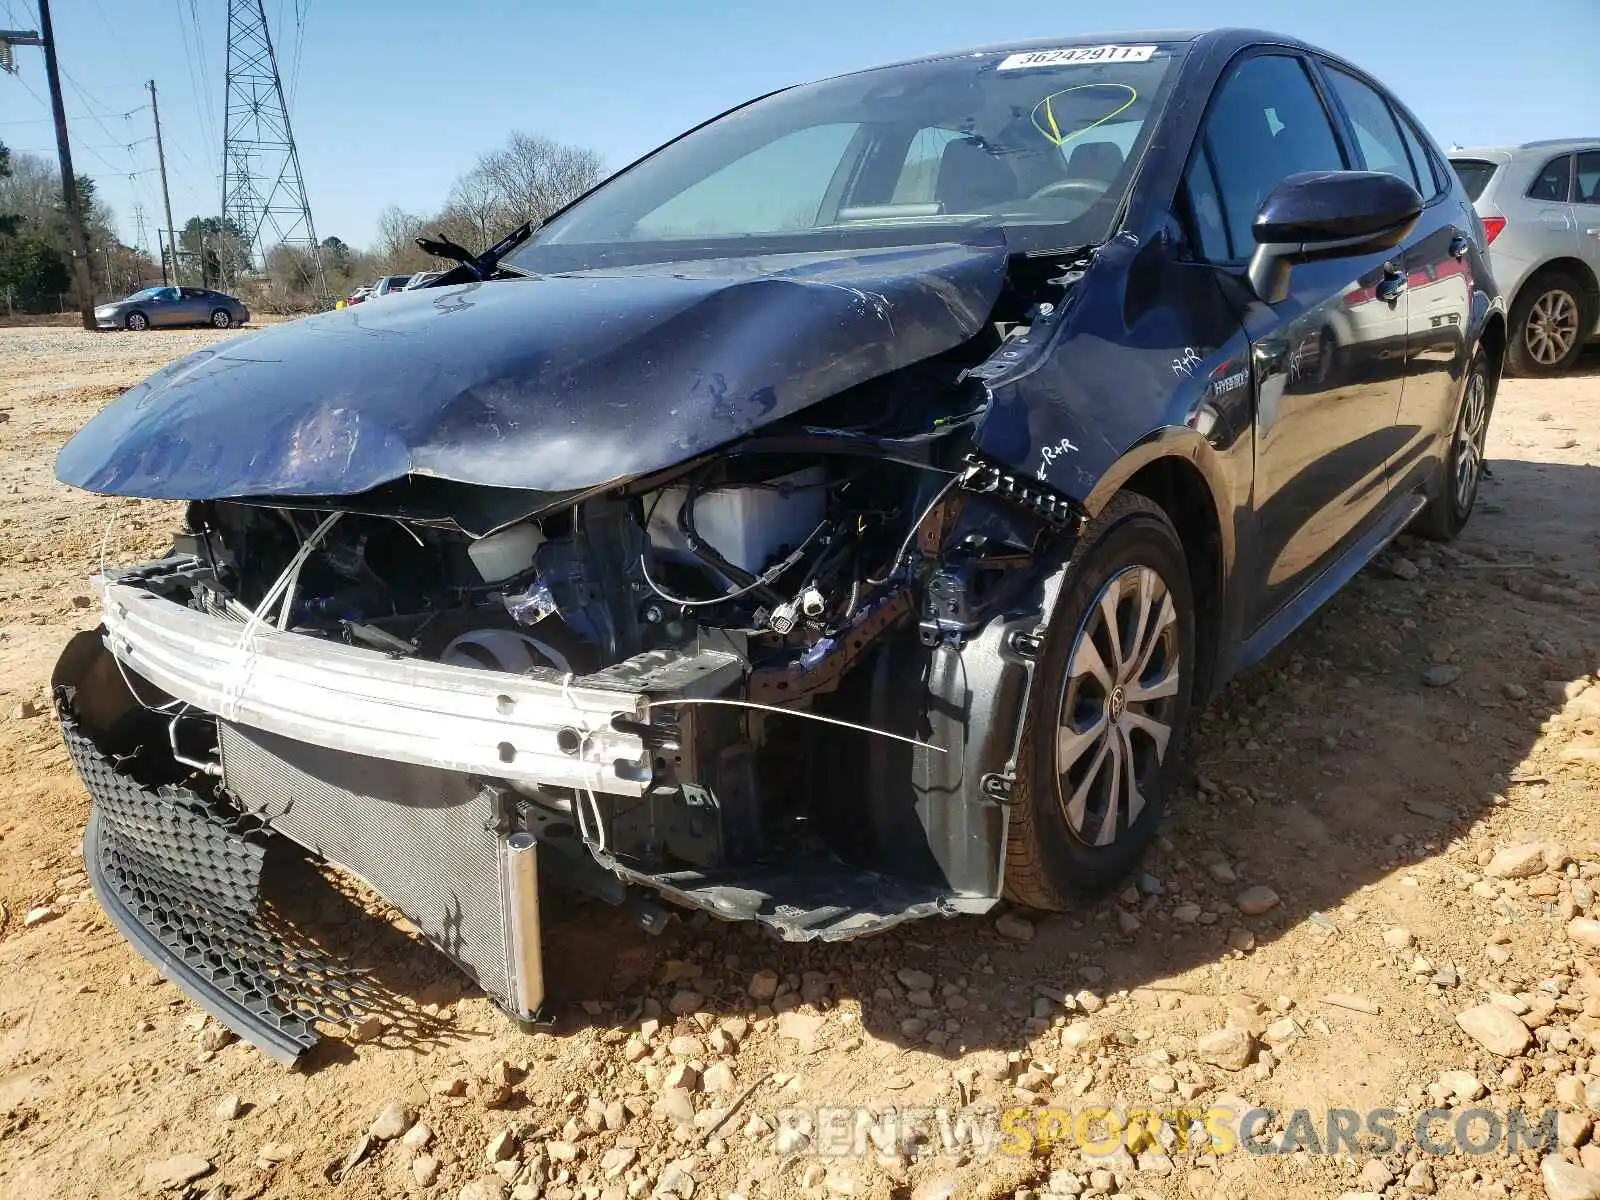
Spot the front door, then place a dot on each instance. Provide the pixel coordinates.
(1328, 361)
(165, 308)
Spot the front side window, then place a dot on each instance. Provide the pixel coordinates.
(1383, 147)
(1552, 181)
(1266, 123)
(1040, 145)
(1587, 184)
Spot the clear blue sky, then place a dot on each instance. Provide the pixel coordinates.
(393, 98)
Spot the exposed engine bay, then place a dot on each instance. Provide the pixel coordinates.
(746, 594)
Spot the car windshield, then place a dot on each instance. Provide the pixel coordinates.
(1475, 174)
(1040, 142)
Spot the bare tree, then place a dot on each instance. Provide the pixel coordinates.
(535, 175)
(397, 249)
(527, 179)
(477, 197)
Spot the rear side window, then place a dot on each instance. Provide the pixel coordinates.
(1266, 123)
(1474, 174)
(1552, 181)
(1588, 189)
(1427, 170)
(1382, 146)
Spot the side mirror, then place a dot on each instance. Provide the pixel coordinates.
(1327, 214)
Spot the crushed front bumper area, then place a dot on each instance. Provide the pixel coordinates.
(209, 747)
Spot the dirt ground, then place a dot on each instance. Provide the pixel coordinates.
(1413, 776)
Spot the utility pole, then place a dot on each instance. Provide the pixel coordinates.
(166, 197)
(69, 183)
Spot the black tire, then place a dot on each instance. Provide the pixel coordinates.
(1543, 303)
(1049, 863)
(221, 318)
(1451, 504)
(137, 322)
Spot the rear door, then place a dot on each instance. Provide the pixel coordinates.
(1586, 207)
(1327, 362)
(194, 307)
(1434, 261)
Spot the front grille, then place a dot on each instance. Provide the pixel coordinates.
(427, 840)
(181, 877)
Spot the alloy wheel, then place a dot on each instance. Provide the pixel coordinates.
(221, 319)
(1117, 704)
(137, 322)
(1471, 432)
(1552, 327)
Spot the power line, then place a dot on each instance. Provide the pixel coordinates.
(301, 8)
(192, 52)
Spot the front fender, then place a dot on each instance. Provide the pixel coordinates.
(1221, 478)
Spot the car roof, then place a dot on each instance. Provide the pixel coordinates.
(1226, 36)
(1553, 145)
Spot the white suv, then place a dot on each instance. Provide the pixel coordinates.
(1540, 204)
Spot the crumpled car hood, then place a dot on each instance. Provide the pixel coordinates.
(558, 383)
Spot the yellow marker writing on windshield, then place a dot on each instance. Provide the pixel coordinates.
(1054, 134)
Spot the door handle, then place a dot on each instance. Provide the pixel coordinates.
(1459, 245)
(1392, 286)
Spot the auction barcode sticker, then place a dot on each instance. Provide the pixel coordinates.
(1076, 56)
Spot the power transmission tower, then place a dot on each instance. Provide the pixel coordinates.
(263, 192)
(138, 225)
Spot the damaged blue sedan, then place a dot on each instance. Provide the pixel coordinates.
(832, 519)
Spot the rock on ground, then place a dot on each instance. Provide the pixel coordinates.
(1516, 862)
(1563, 1181)
(1231, 1049)
(1496, 1028)
(1014, 927)
(1254, 901)
(393, 1121)
(170, 1174)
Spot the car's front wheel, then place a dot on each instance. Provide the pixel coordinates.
(1552, 316)
(1108, 710)
(222, 318)
(137, 322)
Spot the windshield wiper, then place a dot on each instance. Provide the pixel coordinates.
(474, 266)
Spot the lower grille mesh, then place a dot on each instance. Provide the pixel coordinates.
(188, 874)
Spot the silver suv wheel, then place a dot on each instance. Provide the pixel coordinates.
(1552, 327)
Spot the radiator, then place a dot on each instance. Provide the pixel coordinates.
(427, 840)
